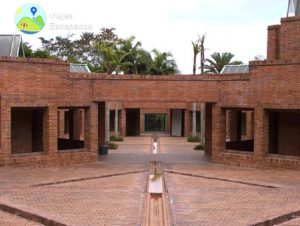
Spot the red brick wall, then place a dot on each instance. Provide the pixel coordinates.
(289, 38)
(273, 52)
(271, 84)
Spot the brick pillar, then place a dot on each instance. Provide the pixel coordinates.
(5, 123)
(101, 123)
(168, 121)
(142, 121)
(218, 131)
(194, 123)
(202, 123)
(50, 133)
(208, 129)
(249, 125)
(273, 50)
(187, 123)
(61, 123)
(71, 124)
(116, 122)
(91, 128)
(82, 128)
(107, 119)
(261, 135)
(123, 122)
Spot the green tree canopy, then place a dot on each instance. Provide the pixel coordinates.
(219, 60)
(163, 63)
(107, 53)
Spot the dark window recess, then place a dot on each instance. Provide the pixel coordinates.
(66, 120)
(155, 122)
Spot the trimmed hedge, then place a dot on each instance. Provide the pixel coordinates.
(116, 138)
(199, 147)
(193, 139)
(112, 146)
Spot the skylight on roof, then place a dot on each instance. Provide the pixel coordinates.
(79, 68)
(235, 69)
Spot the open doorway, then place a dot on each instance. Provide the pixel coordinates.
(133, 122)
(177, 122)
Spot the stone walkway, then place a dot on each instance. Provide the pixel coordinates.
(112, 191)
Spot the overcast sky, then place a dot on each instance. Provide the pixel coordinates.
(237, 26)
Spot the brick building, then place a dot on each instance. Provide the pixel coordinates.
(49, 115)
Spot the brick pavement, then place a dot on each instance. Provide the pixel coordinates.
(12, 220)
(118, 200)
(197, 201)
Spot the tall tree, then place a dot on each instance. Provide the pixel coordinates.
(163, 63)
(132, 49)
(196, 50)
(219, 60)
(143, 62)
(201, 41)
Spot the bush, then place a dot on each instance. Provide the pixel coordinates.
(193, 139)
(116, 138)
(199, 147)
(112, 146)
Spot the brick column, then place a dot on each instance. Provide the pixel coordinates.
(249, 125)
(5, 123)
(194, 125)
(50, 134)
(208, 129)
(142, 121)
(168, 121)
(116, 122)
(107, 119)
(187, 121)
(91, 128)
(71, 124)
(101, 123)
(202, 123)
(218, 131)
(261, 134)
(123, 122)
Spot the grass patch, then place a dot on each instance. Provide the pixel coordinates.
(199, 147)
(193, 139)
(116, 138)
(112, 145)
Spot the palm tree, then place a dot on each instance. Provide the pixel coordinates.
(112, 58)
(131, 50)
(219, 60)
(106, 54)
(163, 63)
(196, 51)
(143, 62)
(201, 41)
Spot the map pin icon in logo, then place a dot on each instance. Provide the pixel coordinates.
(33, 11)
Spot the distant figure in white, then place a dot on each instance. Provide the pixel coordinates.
(155, 148)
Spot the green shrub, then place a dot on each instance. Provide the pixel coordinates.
(199, 147)
(112, 145)
(116, 138)
(193, 139)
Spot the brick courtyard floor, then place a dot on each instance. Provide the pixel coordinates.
(112, 191)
